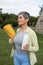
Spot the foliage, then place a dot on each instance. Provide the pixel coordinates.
(33, 21)
(12, 19)
(41, 9)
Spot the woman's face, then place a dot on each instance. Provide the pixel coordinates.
(21, 20)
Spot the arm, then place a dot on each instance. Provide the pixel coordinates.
(34, 43)
(12, 40)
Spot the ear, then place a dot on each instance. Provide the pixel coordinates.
(27, 20)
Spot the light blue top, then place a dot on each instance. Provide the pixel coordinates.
(18, 42)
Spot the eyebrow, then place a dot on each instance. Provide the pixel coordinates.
(19, 17)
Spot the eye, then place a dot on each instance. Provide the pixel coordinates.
(20, 17)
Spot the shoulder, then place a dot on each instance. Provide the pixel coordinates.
(31, 32)
(18, 29)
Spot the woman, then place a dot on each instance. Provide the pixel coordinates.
(25, 56)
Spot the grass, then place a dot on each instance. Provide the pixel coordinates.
(40, 52)
(5, 49)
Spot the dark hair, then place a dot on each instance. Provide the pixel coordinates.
(26, 15)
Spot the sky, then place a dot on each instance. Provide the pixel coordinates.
(16, 6)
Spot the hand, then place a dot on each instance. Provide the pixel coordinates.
(10, 41)
(26, 47)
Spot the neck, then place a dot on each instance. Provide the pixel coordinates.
(23, 27)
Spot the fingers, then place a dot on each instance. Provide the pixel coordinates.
(10, 41)
(25, 47)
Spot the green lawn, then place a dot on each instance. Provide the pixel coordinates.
(5, 49)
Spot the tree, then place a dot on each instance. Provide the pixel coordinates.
(0, 10)
(41, 9)
(33, 21)
(1, 20)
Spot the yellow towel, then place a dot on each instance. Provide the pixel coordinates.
(10, 31)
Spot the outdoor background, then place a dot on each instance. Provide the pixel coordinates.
(9, 10)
